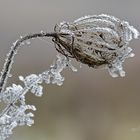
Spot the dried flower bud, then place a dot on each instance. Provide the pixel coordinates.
(97, 41)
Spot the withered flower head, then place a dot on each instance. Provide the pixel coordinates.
(98, 41)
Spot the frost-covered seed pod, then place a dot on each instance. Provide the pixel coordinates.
(98, 40)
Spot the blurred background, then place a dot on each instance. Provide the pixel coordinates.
(91, 105)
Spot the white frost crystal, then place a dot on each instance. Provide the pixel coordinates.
(100, 41)
(53, 75)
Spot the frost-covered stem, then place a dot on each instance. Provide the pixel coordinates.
(16, 114)
(25, 90)
(9, 60)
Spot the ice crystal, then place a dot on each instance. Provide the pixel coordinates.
(11, 93)
(53, 75)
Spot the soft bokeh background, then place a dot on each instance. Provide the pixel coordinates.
(91, 105)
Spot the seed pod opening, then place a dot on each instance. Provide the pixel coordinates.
(98, 41)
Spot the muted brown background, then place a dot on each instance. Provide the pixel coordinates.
(91, 105)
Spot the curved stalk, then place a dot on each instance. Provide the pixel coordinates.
(10, 56)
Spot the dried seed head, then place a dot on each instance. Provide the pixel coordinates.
(97, 41)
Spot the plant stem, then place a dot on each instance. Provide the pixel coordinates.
(10, 56)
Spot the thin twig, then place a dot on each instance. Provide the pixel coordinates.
(9, 60)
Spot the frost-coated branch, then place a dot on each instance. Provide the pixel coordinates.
(15, 113)
(10, 56)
